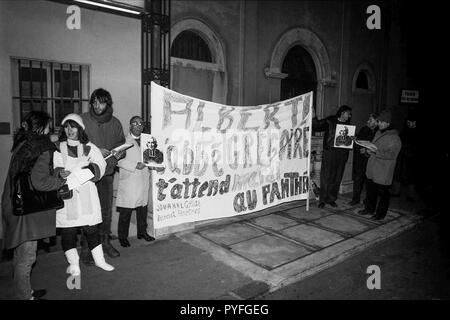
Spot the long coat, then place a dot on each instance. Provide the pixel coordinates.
(34, 226)
(133, 186)
(381, 164)
(84, 206)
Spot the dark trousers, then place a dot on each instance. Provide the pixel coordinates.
(378, 197)
(359, 176)
(69, 237)
(331, 172)
(105, 194)
(124, 221)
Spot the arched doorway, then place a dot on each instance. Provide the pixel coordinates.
(301, 74)
(316, 50)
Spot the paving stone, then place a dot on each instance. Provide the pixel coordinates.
(313, 213)
(269, 251)
(391, 215)
(312, 235)
(343, 224)
(274, 222)
(232, 233)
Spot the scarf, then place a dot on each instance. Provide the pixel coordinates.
(104, 117)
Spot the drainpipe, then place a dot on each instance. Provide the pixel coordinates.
(342, 50)
(241, 51)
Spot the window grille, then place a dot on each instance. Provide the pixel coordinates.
(58, 88)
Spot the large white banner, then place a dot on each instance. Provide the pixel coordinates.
(222, 161)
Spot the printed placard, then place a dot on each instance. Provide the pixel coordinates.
(342, 137)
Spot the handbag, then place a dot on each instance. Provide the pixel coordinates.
(26, 199)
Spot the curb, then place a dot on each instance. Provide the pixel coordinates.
(302, 268)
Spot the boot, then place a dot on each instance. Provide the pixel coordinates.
(86, 256)
(108, 248)
(97, 254)
(74, 262)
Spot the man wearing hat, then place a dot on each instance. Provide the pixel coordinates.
(380, 167)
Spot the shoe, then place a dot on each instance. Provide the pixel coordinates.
(108, 248)
(146, 237)
(99, 258)
(124, 242)
(321, 205)
(333, 204)
(365, 212)
(36, 294)
(86, 256)
(73, 260)
(377, 217)
(353, 203)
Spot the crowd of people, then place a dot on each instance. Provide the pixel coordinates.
(389, 161)
(79, 167)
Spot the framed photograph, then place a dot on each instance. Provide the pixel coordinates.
(151, 154)
(342, 138)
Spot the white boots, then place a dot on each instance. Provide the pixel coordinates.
(74, 264)
(97, 254)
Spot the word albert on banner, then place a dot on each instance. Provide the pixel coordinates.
(221, 161)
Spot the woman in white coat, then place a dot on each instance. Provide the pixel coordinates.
(133, 187)
(82, 163)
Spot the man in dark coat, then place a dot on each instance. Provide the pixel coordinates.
(106, 132)
(360, 157)
(333, 159)
(380, 167)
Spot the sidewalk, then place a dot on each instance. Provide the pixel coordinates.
(237, 258)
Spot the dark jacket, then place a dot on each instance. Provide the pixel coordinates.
(34, 226)
(328, 125)
(360, 159)
(105, 132)
(381, 164)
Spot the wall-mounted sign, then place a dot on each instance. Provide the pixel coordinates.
(409, 96)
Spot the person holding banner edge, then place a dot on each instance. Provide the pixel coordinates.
(133, 186)
(333, 159)
(361, 156)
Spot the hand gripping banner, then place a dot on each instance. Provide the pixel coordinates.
(223, 161)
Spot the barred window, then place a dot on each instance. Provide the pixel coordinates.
(55, 87)
(189, 45)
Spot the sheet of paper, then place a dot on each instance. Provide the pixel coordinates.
(78, 178)
(366, 144)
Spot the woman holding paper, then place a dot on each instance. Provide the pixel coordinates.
(82, 163)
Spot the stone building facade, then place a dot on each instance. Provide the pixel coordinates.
(232, 52)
